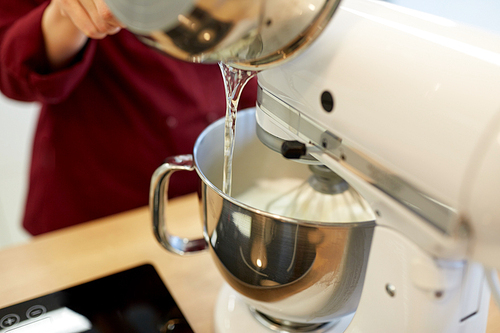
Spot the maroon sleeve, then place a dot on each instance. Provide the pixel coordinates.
(24, 70)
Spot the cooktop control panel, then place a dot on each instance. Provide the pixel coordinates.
(132, 301)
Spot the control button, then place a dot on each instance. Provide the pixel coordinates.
(9, 320)
(36, 311)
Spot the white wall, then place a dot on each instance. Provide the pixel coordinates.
(17, 123)
(480, 13)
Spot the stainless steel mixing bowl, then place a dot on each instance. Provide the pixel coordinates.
(288, 269)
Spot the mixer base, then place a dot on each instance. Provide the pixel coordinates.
(232, 315)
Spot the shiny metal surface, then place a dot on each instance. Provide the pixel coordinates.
(247, 33)
(158, 204)
(278, 325)
(282, 266)
(288, 269)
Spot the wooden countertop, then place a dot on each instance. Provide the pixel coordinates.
(68, 257)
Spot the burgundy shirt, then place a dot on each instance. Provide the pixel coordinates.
(107, 121)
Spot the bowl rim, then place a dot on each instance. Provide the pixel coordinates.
(284, 219)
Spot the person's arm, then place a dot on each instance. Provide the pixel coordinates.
(44, 53)
(67, 24)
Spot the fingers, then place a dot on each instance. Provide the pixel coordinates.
(92, 17)
(106, 14)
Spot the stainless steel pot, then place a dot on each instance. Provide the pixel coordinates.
(288, 269)
(247, 33)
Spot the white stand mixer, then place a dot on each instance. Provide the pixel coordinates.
(405, 107)
(414, 129)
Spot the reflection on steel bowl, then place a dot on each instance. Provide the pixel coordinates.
(288, 269)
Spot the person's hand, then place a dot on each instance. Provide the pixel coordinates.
(67, 25)
(92, 17)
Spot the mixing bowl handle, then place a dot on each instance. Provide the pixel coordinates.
(158, 204)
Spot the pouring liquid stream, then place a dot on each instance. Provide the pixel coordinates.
(234, 81)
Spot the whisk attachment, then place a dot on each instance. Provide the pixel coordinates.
(323, 197)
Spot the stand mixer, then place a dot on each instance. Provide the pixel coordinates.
(404, 107)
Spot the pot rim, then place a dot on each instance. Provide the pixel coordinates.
(284, 219)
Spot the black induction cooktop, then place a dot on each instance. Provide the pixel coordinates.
(132, 301)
